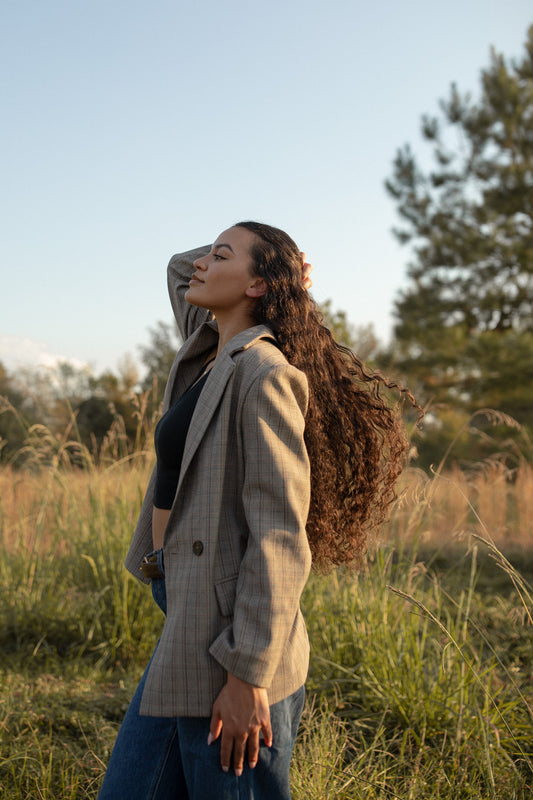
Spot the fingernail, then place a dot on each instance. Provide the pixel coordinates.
(225, 769)
(210, 739)
(238, 772)
(252, 764)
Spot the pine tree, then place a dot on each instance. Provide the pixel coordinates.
(464, 331)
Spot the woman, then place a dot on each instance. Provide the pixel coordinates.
(275, 448)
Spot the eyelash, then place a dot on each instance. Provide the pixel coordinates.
(217, 255)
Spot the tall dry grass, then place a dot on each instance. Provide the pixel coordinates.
(420, 680)
(39, 508)
(489, 500)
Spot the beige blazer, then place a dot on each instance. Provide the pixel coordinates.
(236, 553)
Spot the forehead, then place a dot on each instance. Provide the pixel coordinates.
(239, 239)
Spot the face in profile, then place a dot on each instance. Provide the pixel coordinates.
(224, 281)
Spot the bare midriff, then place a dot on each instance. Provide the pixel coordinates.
(159, 523)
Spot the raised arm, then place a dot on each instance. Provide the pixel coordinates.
(179, 272)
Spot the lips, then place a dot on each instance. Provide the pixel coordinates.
(195, 279)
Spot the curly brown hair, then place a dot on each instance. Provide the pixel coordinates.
(354, 435)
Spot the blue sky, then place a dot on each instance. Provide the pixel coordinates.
(134, 129)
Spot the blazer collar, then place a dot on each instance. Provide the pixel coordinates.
(208, 331)
(186, 367)
(245, 339)
(188, 360)
(196, 349)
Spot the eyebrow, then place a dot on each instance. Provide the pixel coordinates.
(218, 246)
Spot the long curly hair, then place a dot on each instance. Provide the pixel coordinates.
(354, 435)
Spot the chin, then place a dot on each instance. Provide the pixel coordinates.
(190, 298)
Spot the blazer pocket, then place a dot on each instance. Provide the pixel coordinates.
(225, 592)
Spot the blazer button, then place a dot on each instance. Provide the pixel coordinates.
(198, 548)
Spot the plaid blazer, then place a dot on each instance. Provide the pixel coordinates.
(236, 552)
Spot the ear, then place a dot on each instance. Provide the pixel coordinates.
(257, 288)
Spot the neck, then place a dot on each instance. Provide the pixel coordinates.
(230, 325)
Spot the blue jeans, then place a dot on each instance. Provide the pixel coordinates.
(167, 758)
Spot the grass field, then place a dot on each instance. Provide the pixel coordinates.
(421, 674)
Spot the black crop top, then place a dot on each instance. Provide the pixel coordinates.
(170, 435)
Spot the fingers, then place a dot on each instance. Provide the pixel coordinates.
(253, 748)
(266, 728)
(239, 751)
(228, 745)
(306, 273)
(240, 713)
(215, 726)
(239, 747)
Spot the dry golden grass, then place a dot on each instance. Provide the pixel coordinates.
(490, 502)
(424, 670)
(436, 509)
(41, 510)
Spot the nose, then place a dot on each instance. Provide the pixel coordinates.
(199, 263)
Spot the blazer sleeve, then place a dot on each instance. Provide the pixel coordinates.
(277, 560)
(179, 272)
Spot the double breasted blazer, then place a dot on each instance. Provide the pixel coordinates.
(235, 550)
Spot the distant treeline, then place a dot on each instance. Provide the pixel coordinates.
(69, 413)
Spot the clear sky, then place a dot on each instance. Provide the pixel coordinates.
(133, 129)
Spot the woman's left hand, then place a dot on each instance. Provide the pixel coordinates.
(240, 712)
(306, 272)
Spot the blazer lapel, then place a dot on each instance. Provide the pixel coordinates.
(188, 361)
(213, 390)
(206, 406)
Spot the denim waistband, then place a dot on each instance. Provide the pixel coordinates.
(158, 586)
(152, 565)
